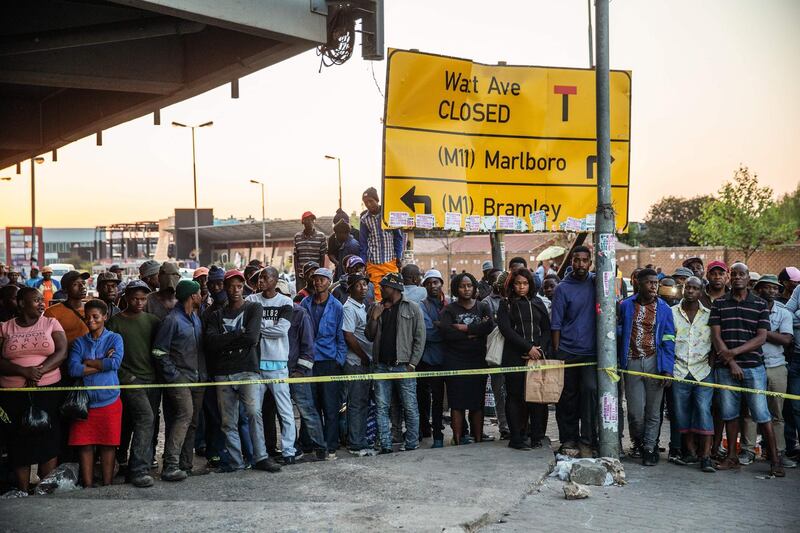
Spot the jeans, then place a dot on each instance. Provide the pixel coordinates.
(499, 392)
(777, 380)
(187, 451)
(231, 399)
(692, 406)
(329, 402)
(303, 397)
(248, 452)
(357, 407)
(214, 437)
(578, 404)
(283, 403)
(730, 402)
(408, 398)
(139, 406)
(644, 402)
(430, 401)
(178, 409)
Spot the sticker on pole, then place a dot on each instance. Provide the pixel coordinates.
(500, 141)
(610, 411)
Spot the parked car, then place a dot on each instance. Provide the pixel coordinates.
(59, 269)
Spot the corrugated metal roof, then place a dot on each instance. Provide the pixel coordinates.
(277, 230)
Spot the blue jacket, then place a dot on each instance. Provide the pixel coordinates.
(573, 314)
(38, 283)
(664, 337)
(329, 339)
(434, 349)
(85, 348)
(301, 341)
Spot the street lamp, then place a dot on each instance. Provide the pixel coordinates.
(339, 161)
(5, 178)
(194, 174)
(263, 219)
(34, 161)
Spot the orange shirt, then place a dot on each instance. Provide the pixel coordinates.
(48, 289)
(74, 327)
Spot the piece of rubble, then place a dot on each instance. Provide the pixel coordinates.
(576, 491)
(615, 468)
(589, 472)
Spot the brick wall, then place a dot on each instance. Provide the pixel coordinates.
(763, 261)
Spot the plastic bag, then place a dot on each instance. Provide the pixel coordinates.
(76, 404)
(34, 420)
(63, 478)
(14, 493)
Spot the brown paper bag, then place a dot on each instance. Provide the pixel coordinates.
(544, 386)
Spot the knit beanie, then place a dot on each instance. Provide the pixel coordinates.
(371, 193)
(186, 288)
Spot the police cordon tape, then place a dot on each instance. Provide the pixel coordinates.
(612, 372)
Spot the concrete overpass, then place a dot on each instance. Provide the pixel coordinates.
(72, 68)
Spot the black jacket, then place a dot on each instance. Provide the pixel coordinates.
(231, 352)
(524, 324)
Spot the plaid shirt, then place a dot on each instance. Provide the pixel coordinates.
(379, 246)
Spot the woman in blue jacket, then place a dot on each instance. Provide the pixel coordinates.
(96, 357)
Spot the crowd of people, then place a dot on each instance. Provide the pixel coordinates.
(369, 314)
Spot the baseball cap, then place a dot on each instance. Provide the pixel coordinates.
(114, 268)
(392, 280)
(324, 272)
(70, 277)
(308, 214)
(793, 273)
(233, 274)
(487, 265)
(104, 277)
(769, 278)
(283, 287)
(353, 261)
(432, 274)
(689, 260)
(308, 266)
(137, 285)
(352, 279)
(755, 276)
(683, 271)
(201, 271)
(717, 264)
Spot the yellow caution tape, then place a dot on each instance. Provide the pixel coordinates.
(612, 373)
(310, 379)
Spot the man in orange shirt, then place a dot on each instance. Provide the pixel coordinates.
(70, 313)
(47, 286)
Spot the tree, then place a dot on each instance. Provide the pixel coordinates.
(744, 216)
(668, 221)
(789, 208)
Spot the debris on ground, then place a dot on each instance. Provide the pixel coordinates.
(576, 491)
(601, 472)
(14, 493)
(63, 478)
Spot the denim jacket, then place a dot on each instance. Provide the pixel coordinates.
(329, 341)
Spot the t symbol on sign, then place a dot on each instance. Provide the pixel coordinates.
(565, 91)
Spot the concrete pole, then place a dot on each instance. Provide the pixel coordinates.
(604, 246)
(34, 255)
(498, 250)
(196, 231)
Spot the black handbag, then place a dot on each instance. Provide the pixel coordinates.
(34, 419)
(76, 404)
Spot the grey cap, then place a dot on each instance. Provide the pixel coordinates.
(149, 268)
(487, 265)
(324, 272)
(137, 285)
(683, 271)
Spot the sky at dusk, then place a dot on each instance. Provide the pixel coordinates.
(715, 85)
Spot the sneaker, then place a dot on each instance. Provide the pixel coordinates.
(359, 453)
(707, 466)
(521, 446)
(268, 465)
(154, 464)
(505, 434)
(776, 470)
(438, 443)
(290, 460)
(746, 457)
(536, 444)
(637, 451)
(331, 456)
(142, 481)
(787, 463)
(729, 463)
(486, 438)
(405, 448)
(173, 474)
(214, 461)
(674, 453)
(687, 459)
(385, 451)
(793, 454)
(321, 455)
(650, 457)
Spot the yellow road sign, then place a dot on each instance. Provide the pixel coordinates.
(462, 137)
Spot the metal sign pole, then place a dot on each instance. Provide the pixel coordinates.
(605, 260)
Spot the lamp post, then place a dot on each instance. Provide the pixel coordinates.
(194, 175)
(339, 161)
(263, 219)
(34, 162)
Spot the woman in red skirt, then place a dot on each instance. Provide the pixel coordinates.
(96, 357)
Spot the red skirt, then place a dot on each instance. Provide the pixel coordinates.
(102, 428)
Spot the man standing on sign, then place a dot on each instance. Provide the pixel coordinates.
(381, 249)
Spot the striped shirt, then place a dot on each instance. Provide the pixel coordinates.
(379, 246)
(307, 248)
(739, 322)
